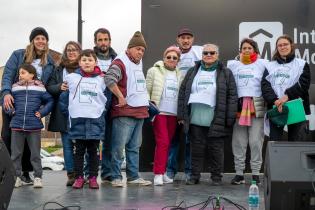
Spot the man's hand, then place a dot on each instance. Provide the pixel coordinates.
(121, 102)
(8, 101)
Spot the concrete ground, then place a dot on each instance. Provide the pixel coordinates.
(130, 197)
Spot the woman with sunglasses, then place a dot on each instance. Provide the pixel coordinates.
(207, 104)
(248, 70)
(286, 78)
(56, 85)
(163, 81)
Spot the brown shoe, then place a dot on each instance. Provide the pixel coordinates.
(71, 179)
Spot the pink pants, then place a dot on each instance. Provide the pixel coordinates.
(164, 127)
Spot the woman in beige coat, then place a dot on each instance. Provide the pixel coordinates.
(163, 81)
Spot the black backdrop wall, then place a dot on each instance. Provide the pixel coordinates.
(225, 23)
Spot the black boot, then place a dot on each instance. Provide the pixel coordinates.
(71, 178)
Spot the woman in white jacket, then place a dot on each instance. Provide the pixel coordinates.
(163, 81)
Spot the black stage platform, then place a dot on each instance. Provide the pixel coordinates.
(130, 197)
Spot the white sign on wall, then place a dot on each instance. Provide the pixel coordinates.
(264, 33)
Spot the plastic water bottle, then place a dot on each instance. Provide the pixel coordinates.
(253, 197)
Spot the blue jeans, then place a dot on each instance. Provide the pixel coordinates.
(172, 165)
(106, 153)
(126, 133)
(67, 145)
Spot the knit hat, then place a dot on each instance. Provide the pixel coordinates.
(137, 40)
(38, 31)
(172, 48)
(183, 31)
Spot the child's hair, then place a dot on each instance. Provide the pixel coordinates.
(30, 69)
(88, 53)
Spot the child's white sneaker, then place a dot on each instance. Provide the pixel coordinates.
(18, 182)
(38, 183)
(158, 180)
(167, 180)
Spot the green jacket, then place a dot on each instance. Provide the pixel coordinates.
(155, 81)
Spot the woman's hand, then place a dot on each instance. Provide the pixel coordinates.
(181, 122)
(64, 86)
(8, 101)
(279, 103)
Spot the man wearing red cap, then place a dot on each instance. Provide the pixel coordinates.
(189, 54)
(130, 102)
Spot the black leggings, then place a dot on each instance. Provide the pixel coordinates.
(92, 148)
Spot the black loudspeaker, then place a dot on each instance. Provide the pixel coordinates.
(7, 178)
(289, 175)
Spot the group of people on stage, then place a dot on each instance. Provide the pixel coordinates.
(96, 95)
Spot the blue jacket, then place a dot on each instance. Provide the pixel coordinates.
(10, 73)
(29, 97)
(84, 128)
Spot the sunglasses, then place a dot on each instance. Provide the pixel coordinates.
(209, 52)
(172, 57)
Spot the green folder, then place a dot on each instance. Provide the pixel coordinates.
(296, 111)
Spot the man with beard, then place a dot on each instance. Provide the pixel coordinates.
(104, 52)
(189, 54)
(105, 55)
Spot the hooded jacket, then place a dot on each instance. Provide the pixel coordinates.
(155, 81)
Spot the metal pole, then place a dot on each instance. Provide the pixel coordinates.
(80, 21)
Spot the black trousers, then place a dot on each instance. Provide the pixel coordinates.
(92, 148)
(6, 137)
(296, 132)
(206, 150)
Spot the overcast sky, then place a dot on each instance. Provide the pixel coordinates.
(59, 18)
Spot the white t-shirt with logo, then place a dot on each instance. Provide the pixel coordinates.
(104, 64)
(168, 102)
(204, 88)
(86, 97)
(137, 94)
(38, 67)
(284, 76)
(187, 60)
(248, 77)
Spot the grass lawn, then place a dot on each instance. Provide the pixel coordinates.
(51, 149)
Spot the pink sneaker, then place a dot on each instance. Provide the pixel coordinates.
(93, 183)
(78, 183)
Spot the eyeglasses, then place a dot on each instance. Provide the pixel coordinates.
(71, 50)
(209, 52)
(283, 45)
(172, 57)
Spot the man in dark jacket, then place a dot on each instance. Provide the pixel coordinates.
(207, 106)
(105, 55)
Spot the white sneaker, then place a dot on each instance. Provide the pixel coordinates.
(117, 183)
(140, 182)
(38, 183)
(18, 182)
(158, 180)
(166, 179)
